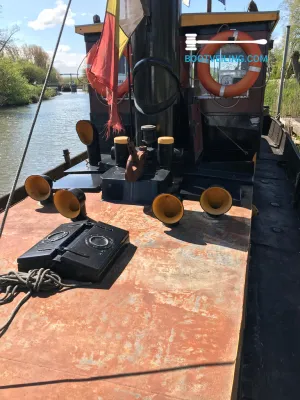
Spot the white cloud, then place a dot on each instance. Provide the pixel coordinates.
(50, 17)
(63, 48)
(87, 14)
(67, 62)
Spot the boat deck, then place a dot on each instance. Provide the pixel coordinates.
(165, 323)
(271, 347)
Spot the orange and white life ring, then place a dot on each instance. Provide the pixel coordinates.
(236, 89)
(123, 88)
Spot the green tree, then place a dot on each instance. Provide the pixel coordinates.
(14, 88)
(36, 55)
(7, 44)
(54, 76)
(32, 72)
(293, 15)
(36, 62)
(275, 62)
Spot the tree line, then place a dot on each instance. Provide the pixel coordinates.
(22, 71)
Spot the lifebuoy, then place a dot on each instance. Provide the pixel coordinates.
(236, 89)
(123, 88)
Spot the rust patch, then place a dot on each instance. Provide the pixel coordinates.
(168, 328)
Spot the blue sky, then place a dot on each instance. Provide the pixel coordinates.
(39, 22)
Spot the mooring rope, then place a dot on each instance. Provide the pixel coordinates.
(35, 281)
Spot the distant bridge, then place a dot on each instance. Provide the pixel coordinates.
(68, 87)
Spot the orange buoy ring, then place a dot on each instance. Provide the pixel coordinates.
(236, 89)
(123, 88)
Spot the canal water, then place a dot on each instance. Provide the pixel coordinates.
(53, 132)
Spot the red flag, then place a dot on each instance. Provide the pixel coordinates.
(121, 19)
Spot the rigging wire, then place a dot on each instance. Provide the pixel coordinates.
(267, 80)
(77, 74)
(225, 134)
(103, 99)
(9, 201)
(226, 107)
(222, 27)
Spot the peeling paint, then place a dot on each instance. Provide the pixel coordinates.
(197, 304)
(176, 307)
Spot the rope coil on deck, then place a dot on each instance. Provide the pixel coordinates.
(36, 280)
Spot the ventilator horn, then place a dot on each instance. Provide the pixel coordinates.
(216, 201)
(71, 204)
(39, 187)
(168, 208)
(89, 136)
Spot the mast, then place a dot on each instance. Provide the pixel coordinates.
(209, 5)
(157, 37)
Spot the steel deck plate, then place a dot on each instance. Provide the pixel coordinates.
(166, 323)
(86, 182)
(271, 350)
(85, 168)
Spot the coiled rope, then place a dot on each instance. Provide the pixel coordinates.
(36, 280)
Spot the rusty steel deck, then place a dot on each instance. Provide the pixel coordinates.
(165, 323)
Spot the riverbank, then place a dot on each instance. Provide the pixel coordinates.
(34, 93)
(21, 82)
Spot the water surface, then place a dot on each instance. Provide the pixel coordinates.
(54, 131)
